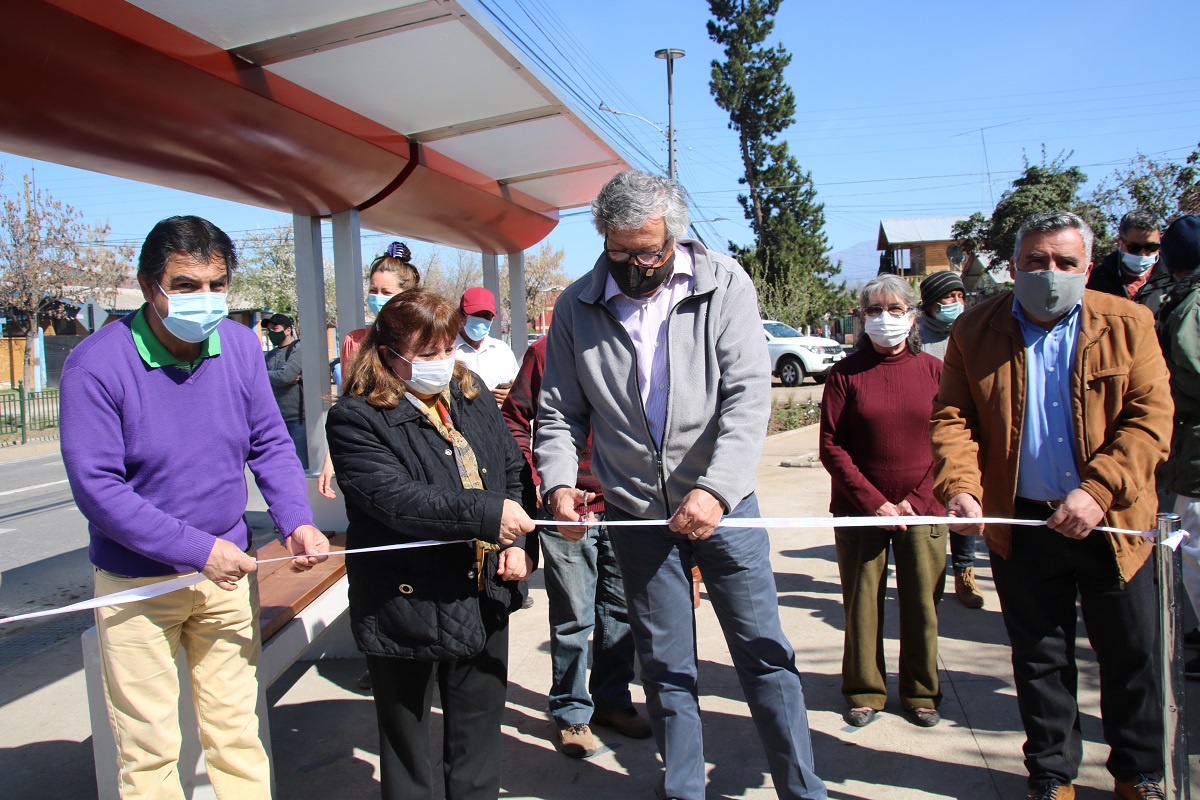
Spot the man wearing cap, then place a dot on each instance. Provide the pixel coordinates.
(161, 414)
(942, 300)
(283, 370)
(1059, 417)
(488, 357)
(1133, 270)
(1179, 335)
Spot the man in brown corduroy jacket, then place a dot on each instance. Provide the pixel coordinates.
(1054, 405)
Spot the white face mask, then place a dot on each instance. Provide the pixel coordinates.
(428, 377)
(887, 330)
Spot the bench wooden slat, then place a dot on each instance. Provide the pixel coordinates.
(283, 594)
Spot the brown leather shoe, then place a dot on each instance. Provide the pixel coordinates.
(965, 588)
(1140, 788)
(576, 741)
(626, 722)
(1053, 791)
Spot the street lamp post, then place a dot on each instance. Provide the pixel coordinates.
(670, 54)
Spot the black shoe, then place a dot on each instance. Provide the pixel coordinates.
(527, 602)
(860, 717)
(1192, 639)
(924, 717)
(364, 681)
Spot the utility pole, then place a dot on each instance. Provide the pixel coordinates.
(670, 54)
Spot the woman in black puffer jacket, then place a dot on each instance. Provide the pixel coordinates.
(420, 452)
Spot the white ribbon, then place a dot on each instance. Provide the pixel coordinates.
(191, 579)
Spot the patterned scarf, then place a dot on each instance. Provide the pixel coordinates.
(464, 458)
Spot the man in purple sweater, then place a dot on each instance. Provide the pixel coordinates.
(161, 414)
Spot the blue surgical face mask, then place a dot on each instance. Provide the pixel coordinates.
(1138, 265)
(949, 312)
(476, 328)
(193, 316)
(376, 302)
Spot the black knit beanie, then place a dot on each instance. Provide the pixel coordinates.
(1181, 244)
(937, 285)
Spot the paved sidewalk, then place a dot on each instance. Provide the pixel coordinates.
(325, 737)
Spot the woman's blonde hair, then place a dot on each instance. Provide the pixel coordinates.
(412, 321)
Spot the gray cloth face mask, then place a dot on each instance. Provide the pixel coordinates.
(1048, 294)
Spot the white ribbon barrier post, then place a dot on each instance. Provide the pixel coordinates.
(190, 579)
(1176, 777)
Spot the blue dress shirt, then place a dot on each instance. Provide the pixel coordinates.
(1048, 470)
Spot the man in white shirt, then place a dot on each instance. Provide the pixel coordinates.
(488, 357)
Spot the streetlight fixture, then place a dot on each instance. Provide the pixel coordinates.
(669, 54)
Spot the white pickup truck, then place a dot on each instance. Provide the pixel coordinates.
(794, 355)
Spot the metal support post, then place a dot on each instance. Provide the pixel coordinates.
(314, 350)
(491, 281)
(348, 272)
(24, 421)
(517, 325)
(1170, 626)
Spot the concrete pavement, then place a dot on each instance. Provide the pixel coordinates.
(326, 742)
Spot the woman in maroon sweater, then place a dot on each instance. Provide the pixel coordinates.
(875, 445)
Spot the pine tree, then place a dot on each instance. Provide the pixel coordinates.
(788, 259)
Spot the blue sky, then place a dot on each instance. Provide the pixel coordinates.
(891, 97)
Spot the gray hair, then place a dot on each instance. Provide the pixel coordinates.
(891, 286)
(631, 199)
(1051, 221)
(1140, 219)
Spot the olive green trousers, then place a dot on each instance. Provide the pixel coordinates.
(920, 558)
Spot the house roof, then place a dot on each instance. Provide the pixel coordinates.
(420, 114)
(895, 233)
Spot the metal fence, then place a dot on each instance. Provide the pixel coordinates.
(24, 414)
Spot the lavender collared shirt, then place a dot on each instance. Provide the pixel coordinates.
(645, 319)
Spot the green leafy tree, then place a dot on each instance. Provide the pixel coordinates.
(1048, 186)
(1164, 187)
(1188, 183)
(789, 257)
(267, 275)
(52, 262)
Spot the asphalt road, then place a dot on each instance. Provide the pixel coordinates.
(796, 394)
(43, 550)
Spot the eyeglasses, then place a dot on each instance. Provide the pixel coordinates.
(639, 259)
(896, 310)
(1137, 248)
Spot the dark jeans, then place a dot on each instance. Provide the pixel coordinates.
(585, 594)
(656, 565)
(472, 693)
(299, 434)
(1038, 585)
(962, 551)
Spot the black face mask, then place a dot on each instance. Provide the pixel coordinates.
(635, 281)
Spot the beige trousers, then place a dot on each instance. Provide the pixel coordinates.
(138, 644)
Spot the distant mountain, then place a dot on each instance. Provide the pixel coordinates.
(860, 263)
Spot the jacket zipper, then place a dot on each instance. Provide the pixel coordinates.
(658, 460)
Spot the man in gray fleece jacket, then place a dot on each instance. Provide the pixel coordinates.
(659, 350)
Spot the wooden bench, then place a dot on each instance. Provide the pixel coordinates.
(295, 609)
